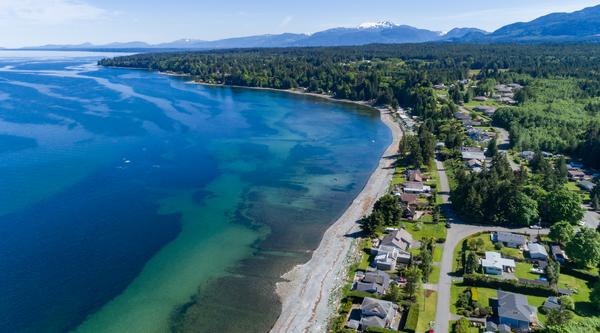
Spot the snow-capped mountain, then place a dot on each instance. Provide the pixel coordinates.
(377, 25)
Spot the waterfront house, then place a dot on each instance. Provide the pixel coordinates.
(415, 176)
(376, 313)
(416, 187)
(576, 174)
(558, 254)
(401, 239)
(386, 257)
(514, 310)
(537, 251)
(409, 199)
(494, 264)
(372, 282)
(509, 239)
(586, 185)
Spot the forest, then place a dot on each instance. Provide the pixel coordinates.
(557, 112)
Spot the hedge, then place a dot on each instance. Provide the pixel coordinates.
(413, 318)
(578, 273)
(379, 330)
(476, 280)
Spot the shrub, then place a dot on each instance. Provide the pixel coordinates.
(477, 280)
(498, 246)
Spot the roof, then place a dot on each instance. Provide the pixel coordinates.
(514, 306)
(504, 329)
(552, 302)
(491, 326)
(586, 185)
(378, 277)
(415, 185)
(414, 175)
(537, 249)
(408, 198)
(509, 237)
(495, 260)
(468, 155)
(400, 238)
(372, 321)
(378, 307)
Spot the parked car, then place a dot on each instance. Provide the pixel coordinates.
(448, 225)
(535, 227)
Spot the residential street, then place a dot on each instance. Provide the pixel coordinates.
(456, 233)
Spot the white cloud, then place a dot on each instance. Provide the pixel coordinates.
(286, 20)
(48, 11)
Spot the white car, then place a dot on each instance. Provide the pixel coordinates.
(535, 227)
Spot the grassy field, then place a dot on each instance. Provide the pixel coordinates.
(434, 277)
(427, 304)
(426, 230)
(583, 306)
(484, 295)
(523, 271)
(437, 253)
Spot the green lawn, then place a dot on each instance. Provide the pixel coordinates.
(512, 253)
(366, 257)
(523, 271)
(434, 277)
(437, 253)
(426, 230)
(427, 304)
(537, 301)
(583, 307)
(484, 295)
(572, 186)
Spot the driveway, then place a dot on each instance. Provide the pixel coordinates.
(456, 233)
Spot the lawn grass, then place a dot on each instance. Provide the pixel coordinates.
(427, 304)
(537, 301)
(426, 230)
(438, 250)
(523, 271)
(583, 306)
(434, 277)
(484, 294)
(366, 256)
(572, 186)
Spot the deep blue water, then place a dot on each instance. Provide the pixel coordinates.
(114, 182)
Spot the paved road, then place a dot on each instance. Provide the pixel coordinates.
(591, 219)
(458, 232)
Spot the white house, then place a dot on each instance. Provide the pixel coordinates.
(416, 187)
(494, 264)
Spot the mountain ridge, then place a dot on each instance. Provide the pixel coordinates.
(579, 26)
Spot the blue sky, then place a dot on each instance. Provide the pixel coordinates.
(35, 22)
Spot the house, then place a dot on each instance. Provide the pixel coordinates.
(386, 258)
(409, 199)
(376, 313)
(416, 187)
(551, 303)
(537, 251)
(513, 310)
(487, 110)
(576, 174)
(439, 86)
(509, 239)
(401, 239)
(528, 155)
(373, 282)
(494, 264)
(586, 185)
(415, 176)
(558, 254)
(472, 153)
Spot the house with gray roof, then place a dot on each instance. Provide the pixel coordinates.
(586, 185)
(509, 239)
(377, 313)
(558, 254)
(373, 282)
(514, 310)
(400, 238)
(537, 251)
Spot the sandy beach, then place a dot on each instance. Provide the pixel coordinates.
(305, 294)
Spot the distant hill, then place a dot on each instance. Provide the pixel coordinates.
(579, 26)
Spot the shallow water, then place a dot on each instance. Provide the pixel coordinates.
(132, 201)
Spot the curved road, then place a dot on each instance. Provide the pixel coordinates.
(458, 232)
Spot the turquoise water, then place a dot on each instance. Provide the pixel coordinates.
(135, 202)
